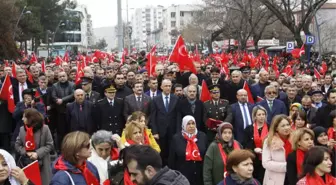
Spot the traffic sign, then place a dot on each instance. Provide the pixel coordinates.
(289, 46)
(310, 39)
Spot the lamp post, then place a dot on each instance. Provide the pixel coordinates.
(60, 23)
(17, 23)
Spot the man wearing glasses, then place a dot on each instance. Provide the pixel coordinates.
(271, 104)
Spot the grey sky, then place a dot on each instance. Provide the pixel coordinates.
(104, 12)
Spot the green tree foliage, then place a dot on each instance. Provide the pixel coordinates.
(101, 44)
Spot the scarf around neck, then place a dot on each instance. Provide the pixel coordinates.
(299, 161)
(192, 151)
(89, 177)
(317, 180)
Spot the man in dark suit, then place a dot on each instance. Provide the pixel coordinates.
(137, 101)
(327, 83)
(271, 104)
(79, 114)
(153, 88)
(216, 80)
(258, 89)
(241, 115)
(19, 84)
(322, 117)
(246, 72)
(307, 103)
(291, 96)
(108, 112)
(122, 89)
(165, 117)
(90, 95)
(193, 107)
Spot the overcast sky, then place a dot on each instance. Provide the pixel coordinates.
(104, 12)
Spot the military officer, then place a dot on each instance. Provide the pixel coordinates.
(216, 110)
(246, 72)
(90, 95)
(109, 111)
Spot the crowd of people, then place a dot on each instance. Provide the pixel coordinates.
(118, 124)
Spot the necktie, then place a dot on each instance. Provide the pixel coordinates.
(22, 87)
(167, 104)
(246, 123)
(111, 103)
(193, 107)
(270, 104)
(153, 95)
(87, 96)
(139, 99)
(80, 107)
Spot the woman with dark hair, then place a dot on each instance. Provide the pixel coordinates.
(215, 159)
(299, 120)
(332, 129)
(147, 133)
(275, 151)
(187, 150)
(302, 141)
(240, 169)
(317, 167)
(254, 135)
(321, 139)
(35, 143)
(72, 166)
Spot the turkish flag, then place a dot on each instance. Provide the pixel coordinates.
(66, 57)
(324, 68)
(205, 94)
(296, 53)
(32, 172)
(79, 73)
(30, 76)
(317, 74)
(13, 70)
(249, 94)
(6, 93)
(180, 56)
(288, 70)
(33, 59)
(124, 54)
(151, 61)
(58, 60)
(43, 66)
(197, 56)
(259, 99)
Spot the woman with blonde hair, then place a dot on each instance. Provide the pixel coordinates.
(147, 133)
(72, 166)
(254, 136)
(302, 141)
(275, 150)
(133, 133)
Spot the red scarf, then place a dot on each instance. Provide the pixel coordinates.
(192, 151)
(258, 139)
(317, 180)
(127, 178)
(331, 131)
(299, 161)
(223, 154)
(131, 142)
(29, 140)
(114, 155)
(90, 178)
(287, 146)
(146, 138)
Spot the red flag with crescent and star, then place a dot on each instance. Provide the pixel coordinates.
(180, 55)
(29, 140)
(6, 93)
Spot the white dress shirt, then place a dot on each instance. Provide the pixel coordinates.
(248, 121)
(25, 86)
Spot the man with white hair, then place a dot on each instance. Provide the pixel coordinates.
(79, 114)
(272, 105)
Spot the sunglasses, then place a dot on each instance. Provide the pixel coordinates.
(273, 92)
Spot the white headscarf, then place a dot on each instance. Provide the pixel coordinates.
(185, 121)
(11, 164)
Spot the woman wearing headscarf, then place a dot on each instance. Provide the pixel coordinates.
(35, 143)
(187, 151)
(216, 156)
(295, 107)
(321, 139)
(105, 156)
(254, 136)
(10, 174)
(302, 141)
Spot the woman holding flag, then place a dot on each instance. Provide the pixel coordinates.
(35, 143)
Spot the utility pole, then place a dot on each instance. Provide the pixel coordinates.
(120, 28)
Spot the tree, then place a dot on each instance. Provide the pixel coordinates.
(101, 44)
(287, 11)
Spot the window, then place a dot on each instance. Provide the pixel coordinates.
(182, 23)
(182, 14)
(172, 23)
(172, 14)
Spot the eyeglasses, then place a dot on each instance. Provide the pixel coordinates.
(272, 92)
(215, 92)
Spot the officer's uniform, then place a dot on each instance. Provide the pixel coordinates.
(218, 110)
(92, 96)
(109, 113)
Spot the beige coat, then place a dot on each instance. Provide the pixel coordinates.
(274, 161)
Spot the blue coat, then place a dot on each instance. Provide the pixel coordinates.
(238, 121)
(61, 178)
(278, 108)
